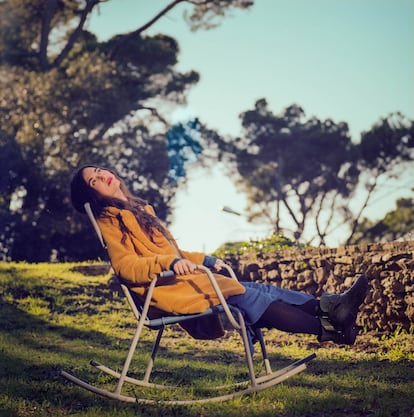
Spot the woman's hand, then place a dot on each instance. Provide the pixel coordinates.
(183, 266)
(218, 265)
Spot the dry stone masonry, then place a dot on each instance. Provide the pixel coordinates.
(389, 267)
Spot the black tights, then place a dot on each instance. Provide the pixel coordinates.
(292, 318)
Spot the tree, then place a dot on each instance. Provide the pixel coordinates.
(384, 153)
(67, 99)
(293, 168)
(397, 224)
(301, 174)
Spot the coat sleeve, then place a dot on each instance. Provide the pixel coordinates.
(195, 257)
(125, 261)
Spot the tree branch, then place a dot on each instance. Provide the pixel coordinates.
(49, 10)
(291, 212)
(141, 29)
(317, 219)
(371, 189)
(154, 112)
(322, 232)
(106, 126)
(90, 4)
(331, 214)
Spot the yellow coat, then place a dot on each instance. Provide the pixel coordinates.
(139, 260)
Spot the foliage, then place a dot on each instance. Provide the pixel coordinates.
(67, 99)
(271, 244)
(53, 317)
(293, 168)
(183, 145)
(397, 224)
(386, 152)
(300, 174)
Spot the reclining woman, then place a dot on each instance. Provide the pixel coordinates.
(140, 247)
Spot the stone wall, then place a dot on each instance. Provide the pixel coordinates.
(389, 267)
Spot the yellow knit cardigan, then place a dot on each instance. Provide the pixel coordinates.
(138, 260)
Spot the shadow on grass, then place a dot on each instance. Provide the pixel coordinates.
(64, 296)
(33, 351)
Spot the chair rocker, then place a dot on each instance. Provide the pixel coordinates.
(235, 319)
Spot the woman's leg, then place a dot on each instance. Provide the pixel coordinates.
(302, 319)
(331, 318)
(290, 318)
(311, 307)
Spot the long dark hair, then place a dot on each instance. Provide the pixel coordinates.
(82, 193)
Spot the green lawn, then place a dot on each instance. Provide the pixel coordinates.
(52, 318)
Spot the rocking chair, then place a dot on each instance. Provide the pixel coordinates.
(236, 321)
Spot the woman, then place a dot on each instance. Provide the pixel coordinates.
(140, 247)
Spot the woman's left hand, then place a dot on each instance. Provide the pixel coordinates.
(184, 266)
(217, 265)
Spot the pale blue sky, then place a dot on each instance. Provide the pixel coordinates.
(349, 60)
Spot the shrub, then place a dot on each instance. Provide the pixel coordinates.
(255, 247)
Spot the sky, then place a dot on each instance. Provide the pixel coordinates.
(347, 60)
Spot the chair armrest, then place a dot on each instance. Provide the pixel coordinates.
(143, 314)
(229, 269)
(220, 295)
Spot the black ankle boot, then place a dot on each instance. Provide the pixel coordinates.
(342, 309)
(346, 336)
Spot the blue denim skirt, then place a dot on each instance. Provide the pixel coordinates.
(257, 298)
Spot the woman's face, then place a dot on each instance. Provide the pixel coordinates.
(103, 181)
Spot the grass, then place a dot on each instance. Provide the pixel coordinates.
(53, 318)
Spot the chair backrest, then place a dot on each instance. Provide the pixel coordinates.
(134, 301)
(91, 216)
